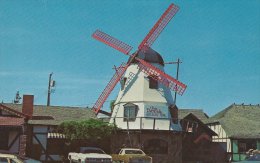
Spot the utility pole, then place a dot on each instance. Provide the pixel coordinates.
(49, 89)
(177, 77)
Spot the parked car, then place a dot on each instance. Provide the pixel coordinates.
(251, 159)
(12, 158)
(89, 155)
(29, 160)
(131, 155)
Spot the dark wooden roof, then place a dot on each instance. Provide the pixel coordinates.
(192, 117)
(197, 112)
(149, 55)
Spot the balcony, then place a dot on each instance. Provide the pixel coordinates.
(150, 123)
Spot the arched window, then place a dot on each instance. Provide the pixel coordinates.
(156, 146)
(130, 112)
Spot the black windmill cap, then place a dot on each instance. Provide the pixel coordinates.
(149, 55)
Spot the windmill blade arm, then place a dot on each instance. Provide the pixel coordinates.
(159, 26)
(111, 41)
(162, 77)
(110, 86)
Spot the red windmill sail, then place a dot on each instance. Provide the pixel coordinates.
(162, 77)
(110, 86)
(147, 68)
(159, 26)
(111, 41)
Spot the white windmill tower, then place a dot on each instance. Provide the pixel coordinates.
(144, 100)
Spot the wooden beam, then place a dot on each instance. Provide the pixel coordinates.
(14, 140)
(42, 147)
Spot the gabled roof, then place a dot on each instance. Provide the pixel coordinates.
(197, 112)
(193, 117)
(55, 115)
(13, 111)
(239, 121)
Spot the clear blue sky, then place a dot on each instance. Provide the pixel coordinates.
(218, 42)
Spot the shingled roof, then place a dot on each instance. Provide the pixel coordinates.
(197, 112)
(11, 121)
(55, 115)
(239, 121)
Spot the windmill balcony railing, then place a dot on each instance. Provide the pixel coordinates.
(151, 123)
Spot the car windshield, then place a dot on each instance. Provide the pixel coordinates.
(255, 157)
(133, 152)
(28, 160)
(16, 160)
(93, 151)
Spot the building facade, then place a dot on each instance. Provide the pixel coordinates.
(238, 129)
(33, 135)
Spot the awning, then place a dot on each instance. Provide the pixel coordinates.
(55, 135)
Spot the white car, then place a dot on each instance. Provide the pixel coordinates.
(11, 158)
(89, 155)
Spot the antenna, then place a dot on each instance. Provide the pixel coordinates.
(52, 83)
(17, 98)
(177, 77)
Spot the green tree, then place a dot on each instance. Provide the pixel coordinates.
(92, 129)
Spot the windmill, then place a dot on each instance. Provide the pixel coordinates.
(145, 66)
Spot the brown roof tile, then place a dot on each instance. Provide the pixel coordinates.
(11, 121)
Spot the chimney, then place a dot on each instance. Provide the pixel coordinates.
(28, 105)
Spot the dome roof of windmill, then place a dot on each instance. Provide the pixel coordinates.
(151, 56)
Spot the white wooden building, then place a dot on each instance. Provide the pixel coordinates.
(238, 129)
(142, 102)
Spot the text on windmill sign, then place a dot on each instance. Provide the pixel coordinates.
(156, 111)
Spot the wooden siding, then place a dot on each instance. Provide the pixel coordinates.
(222, 136)
(13, 142)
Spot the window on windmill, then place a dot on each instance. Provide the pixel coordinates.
(153, 83)
(130, 112)
(122, 82)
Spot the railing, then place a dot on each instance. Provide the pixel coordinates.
(151, 123)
